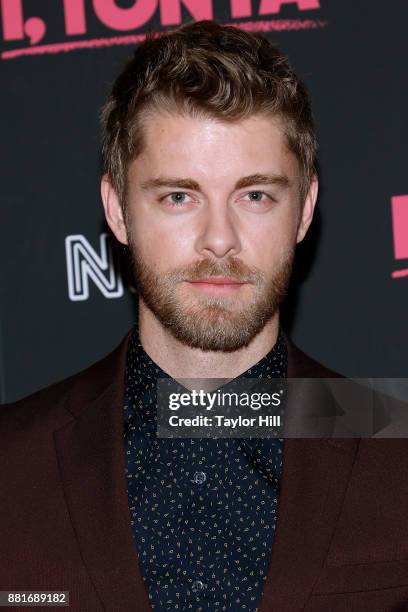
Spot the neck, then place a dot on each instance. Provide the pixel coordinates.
(182, 361)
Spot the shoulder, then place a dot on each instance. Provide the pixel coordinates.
(301, 365)
(65, 399)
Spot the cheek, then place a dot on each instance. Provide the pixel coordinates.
(268, 241)
(162, 248)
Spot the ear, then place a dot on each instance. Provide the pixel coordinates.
(113, 210)
(308, 209)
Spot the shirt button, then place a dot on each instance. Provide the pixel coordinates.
(197, 586)
(200, 477)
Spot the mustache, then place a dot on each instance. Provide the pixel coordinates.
(232, 268)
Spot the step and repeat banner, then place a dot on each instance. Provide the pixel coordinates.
(67, 299)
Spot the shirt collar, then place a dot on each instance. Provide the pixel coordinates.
(142, 373)
(140, 412)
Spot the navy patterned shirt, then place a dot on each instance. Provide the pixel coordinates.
(203, 511)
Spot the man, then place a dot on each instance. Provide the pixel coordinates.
(210, 179)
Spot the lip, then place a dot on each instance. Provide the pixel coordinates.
(217, 285)
(217, 280)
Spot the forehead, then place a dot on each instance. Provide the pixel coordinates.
(209, 149)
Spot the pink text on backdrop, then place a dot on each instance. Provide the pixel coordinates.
(15, 27)
(399, 210)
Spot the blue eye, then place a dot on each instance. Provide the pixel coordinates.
(256, 196)
(178, 198)
(175, 199)
(177, 202)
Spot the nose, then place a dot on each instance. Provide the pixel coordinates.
(218, 236)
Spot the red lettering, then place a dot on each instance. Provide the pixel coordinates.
(12, 17)
(74, 12)
(124, 18)
(170, 10)
(270, 7)
(400, 225)
(241, 8)
(34, 28)
(14, 26)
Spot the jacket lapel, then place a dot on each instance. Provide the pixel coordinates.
(315, 476)
(92, 467)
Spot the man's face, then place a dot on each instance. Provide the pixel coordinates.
(213, 220)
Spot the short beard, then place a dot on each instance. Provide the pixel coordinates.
(210, 324)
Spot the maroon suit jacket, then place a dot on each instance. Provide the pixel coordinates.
(341, 539)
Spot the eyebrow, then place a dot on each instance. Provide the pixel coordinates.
(186, 183)
(263, 179)
(163, 181)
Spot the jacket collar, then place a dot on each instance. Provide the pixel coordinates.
(316, 473)
(92, 468)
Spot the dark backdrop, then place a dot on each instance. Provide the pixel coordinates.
(63, 302)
